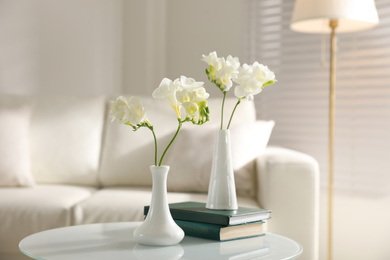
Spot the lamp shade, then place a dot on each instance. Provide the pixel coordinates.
(313, 16)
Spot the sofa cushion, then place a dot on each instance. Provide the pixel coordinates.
(126, 204)
(15, 168)
(191, 157)
(66, 134)
(127, 155)
(30, 210)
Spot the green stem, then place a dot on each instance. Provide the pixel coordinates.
(155, 146)
(234, 110)
(170, 143)
(223, 105)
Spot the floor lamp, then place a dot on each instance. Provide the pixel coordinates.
(331, 16)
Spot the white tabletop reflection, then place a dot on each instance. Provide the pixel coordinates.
(115, 241)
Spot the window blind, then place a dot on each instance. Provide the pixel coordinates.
(299, 101)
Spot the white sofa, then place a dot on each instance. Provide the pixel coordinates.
(62, 162)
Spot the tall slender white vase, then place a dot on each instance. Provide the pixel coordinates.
(159, 228)
(222, 188)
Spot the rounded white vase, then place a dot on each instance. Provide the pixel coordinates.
(159, 228)
(222, 188)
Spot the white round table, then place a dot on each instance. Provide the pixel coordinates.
(115, 241)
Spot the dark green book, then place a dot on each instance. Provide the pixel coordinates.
(196, 211)
(221, 233)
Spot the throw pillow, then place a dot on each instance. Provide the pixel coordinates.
(191, 156)
(15, 167)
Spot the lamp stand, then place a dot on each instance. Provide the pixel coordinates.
(332, 24)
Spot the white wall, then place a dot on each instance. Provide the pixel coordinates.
(199, 27)
(60, 47)
(144, 32)
(167, 39)
(18, 46)
(81, 47)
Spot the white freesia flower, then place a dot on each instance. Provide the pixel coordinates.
(185, 95)
(167, 91)
(120, 110)
(213, 60)
(189, 100)
(190, 94)
(252, 79)
(127, 111)
(137, 111)
(248, 89)
(191, 108)
(262, 73)
(222, 70)
(189, 83)
(182, 92)
(228, 71)
(201, 95)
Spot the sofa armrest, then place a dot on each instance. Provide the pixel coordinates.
(288, 184)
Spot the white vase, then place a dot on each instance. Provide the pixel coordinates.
(222, 188)
(159, 228)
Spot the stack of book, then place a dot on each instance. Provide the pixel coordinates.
(222, 225)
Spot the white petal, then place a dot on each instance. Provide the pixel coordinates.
(239, 92)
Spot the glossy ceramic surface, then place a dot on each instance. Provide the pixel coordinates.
(222, 188)
(159, 228)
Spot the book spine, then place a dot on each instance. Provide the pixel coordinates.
(178, 214)
(200, 217)
(198, 229)
(208, 231)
